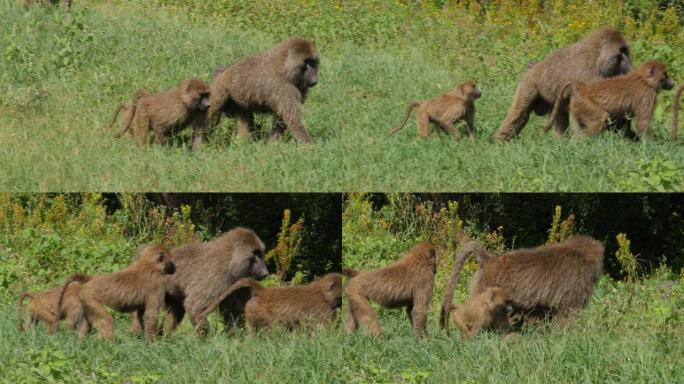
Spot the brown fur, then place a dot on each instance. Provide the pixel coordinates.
(631, 95)
(602, 54)
(275, 81)
(489, 310)
(167, 112)
(559, 277)
(129, 112)
(445, 110)
(139, 287)
(44, 306)
(675, 112)
(406, 283)
(314, 303)
(346, 271)
(205, 270)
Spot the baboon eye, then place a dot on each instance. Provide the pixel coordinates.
(160, 257)
(624, 50)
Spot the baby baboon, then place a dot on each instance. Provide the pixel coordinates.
(287, 306)
(275, 81)
(44, 306)
(675, 112)
(558, 277)
(445, 110)
(129, 112)
(406, 283)
(205, 270)
(167, 112)
(604, 53)
(139, 287)
(489, 310)
(633, 95)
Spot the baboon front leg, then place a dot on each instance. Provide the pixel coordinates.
(153, 306)
(136, 321)
(175, 314)
(277, 130)
(291, 116)
(643, 123)
(421, 304)
(197, 137)
(449, 128)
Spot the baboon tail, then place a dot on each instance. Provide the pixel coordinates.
(80, 277)
(349, 272)
(409, 108)
(481, 255)
(20, 308)
(675, 112)
(115, 116)
(244, 283)
(556, 106)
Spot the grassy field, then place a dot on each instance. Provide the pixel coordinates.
(626, 335)
(63, 73)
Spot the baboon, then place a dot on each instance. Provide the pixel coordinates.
(675, 112)
(557, 278)
(489, 310)
(129, 111)
(445, 110)
(288, 306)
(168, 112)
(66, 3)
(275, 81)
(138, 287)
(406, 283)
(205, 270)
(604, 53)
(44, 306)
(633, 95)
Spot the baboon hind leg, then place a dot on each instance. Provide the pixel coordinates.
(365, 314)
(519, 114)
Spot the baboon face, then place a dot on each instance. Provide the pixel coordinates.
(333, 290)
(470, 91)
(159, 256)
(196, 94)
(248, 257)
(656, 74)
(302, 63)
(614, 58)
(258, 268)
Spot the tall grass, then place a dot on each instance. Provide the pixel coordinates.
(63, 73)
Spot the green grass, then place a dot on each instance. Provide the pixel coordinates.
(616, 339)
(63, 74)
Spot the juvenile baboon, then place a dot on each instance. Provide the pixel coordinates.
(138, 287)
(604, 53)
(168, 112)
(44, 306)
(633, 95)
(406, 283)
(559, 277)
(275, 81)
(445, 110)
(66, 3)
(675, 112)
(205, 270)
(489, 310)
(286, 306)
(129, 112)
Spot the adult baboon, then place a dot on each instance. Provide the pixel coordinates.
(275, 81)
(129, 112)
(559, 277)
(675, 112)
(489, 310)
(139, 287)
(633, 95)
(406, 283)
(604, 53)
(44, 306)
(167, 112)
(445, 110)
(205, 270)
(292, 306)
